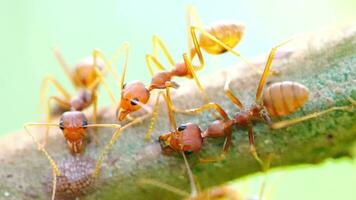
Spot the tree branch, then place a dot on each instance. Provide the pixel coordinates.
(325, 62)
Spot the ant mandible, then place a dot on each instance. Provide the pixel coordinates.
(279, 99)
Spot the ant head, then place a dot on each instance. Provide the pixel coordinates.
(73, 125)
(85, 72)
(186, 138)
(133, 95)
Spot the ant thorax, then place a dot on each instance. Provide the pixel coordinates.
(247, 116)
(82, 100)
(159, 80)
(181, 70)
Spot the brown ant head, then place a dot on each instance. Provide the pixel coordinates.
(85, 71)
(73, 125)
(133, 96)
(186, 138)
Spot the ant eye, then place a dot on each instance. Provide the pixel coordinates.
(190, 152)
(134, 101)
(85, 123)
(182, 127)
(61, 124)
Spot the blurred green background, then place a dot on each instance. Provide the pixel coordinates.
(30, 29)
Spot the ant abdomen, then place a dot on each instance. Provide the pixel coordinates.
(283, 98)
(228, 33)
(76, 178)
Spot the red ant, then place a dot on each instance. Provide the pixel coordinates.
(73, 125)
(279, 99)
(84, 78)
(216, 40)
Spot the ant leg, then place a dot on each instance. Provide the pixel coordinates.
(108, 146)
(165, 186)
(95, 111)
(44, 86)
(253, 148)
(231, 95)
(125, 47)
(222, 156)
(97, 54)
(285, 123)
(209, 106)
(40, 147)
(190, 68)
(154, 117)
(191, 16)
(194, 191)
(157, 43)
(62, 103)
(65, 67)
(149, 59)
(267, 70)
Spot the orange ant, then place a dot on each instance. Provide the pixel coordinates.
(73, 125)
(279, 99)
(86, 81)
(215, 40)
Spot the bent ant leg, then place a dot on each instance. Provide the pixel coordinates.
(149, 59)
(157, 43)
(154, 117)
(222, 156)
(253, 150)
(231, 95)
(65, 67)
(40, 147)
(168, 101)
(191, 16)
(267, 69)
(190, 67)
(285, 123)
(44, 86)
(95, 111)
(108, 146)
(97, 54)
